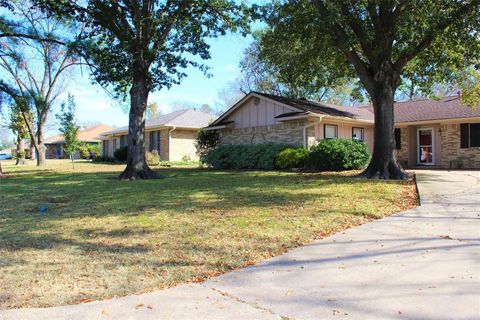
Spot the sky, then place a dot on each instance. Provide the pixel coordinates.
(95, 105)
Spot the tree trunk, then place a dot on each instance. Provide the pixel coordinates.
(40, 146)
(384, 164)
(32, 151)
(20, 151)
(137, 167)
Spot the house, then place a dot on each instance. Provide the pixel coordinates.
(442, 133)
(172, 135)
(264, 118)
(90, 135)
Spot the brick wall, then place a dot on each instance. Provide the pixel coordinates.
(288, 133)
(183, 145)
(452, 154)
(402, 154)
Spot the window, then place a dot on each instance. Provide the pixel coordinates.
(154, 141)
(330, 131)
(123, 141)
(105, 148)
(358, 134)
(158, 142)
(398, 139)
(469, 135)
(114, 143)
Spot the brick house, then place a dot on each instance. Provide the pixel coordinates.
(171, 135)
(54, 145)
(441, 133)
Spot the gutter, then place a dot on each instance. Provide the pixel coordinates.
(305, 142)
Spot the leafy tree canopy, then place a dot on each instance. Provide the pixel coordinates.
(166, 41)
(433, 45)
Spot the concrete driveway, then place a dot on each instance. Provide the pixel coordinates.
(420, 264)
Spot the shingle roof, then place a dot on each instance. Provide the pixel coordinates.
(426, 109)
(323, 108)
(88, 135)
(189, 118)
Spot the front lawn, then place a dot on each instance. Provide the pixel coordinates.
(101, 237)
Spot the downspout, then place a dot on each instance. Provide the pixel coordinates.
(305, 142)
(170, 142)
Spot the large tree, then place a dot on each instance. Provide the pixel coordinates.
(378, 41)
(34, 70)
(144, 45)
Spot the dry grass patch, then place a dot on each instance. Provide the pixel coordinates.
(101, 237)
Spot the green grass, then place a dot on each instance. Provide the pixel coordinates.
(102, 237)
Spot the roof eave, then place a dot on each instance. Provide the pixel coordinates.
(445, 120)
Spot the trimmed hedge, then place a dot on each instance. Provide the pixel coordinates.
(121, 154)
(292, 158)
(255, 156)
(326, 155)
(337, 155)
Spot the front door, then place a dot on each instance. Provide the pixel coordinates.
(425, 147)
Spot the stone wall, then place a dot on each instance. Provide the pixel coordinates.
(454, 156)
(288, 133)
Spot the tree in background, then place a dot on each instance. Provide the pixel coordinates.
(35, 67)
(69, 127)
(153, 110)
(227, 96)
(19, 128)
(376, 42)
(290, 72)
(141, 46)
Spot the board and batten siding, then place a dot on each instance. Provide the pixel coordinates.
(255, 115)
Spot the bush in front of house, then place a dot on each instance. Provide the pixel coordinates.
(206, 140)
(254, 156)
(337, 155)
(152, 158)
(292, 158)
(89, 150)
(121, 154)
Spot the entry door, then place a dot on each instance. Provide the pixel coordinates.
(425, 146)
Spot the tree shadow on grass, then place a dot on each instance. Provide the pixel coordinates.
(185, 191)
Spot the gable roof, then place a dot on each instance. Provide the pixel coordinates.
(427, 109)
(323, 108)
(87, 135)
(304, 108)
(189, 118)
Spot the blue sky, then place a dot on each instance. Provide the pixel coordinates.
(94, 105)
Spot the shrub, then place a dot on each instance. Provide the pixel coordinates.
(153, 158)
(255, 156)
(291, 158)
(206, 140)
(121, 154)
(337, 155)
(84, 153)
(104, 159)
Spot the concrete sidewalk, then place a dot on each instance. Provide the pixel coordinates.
(421, 264)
